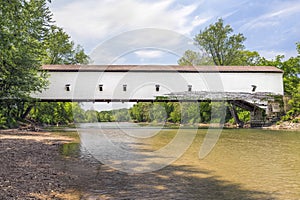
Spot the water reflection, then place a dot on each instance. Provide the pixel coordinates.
(122, 146)
(70, 149)
(257, 160)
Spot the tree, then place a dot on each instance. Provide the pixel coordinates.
(29, 39)
(121, 115)
(219, 42)
(105, 116)
(23, 27)
(59, 49)
(251, 58)
(141, 112)
(78, 113)
(192, 58)
(52, 113)
(190, 112)
(294, 113)
(158, 112)
(205, 112)
(91, 116)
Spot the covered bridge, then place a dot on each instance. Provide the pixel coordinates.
(249, 87)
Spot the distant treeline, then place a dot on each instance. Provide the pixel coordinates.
(157, 112)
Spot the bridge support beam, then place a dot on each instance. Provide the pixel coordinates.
(238, 122)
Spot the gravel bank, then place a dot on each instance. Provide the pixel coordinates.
(31, 166)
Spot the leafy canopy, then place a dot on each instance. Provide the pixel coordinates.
(28, 39)
(23, 28)
(59, 49)
(219, 42)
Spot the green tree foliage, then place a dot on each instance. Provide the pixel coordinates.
(78, 113)
(246, 57)
(23, 28)
(2, 121)
(158, 112)
(52, 113)
(91, 116)
(175, 112)
(190, 112)
(141, 112)
(219, 42)
(121, 115)
(105, 116)
(61, 50)
(29, 39)
(192, 58)
(294, 113)
(219, 47)
(205, 112)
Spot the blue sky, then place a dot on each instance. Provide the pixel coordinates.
(272, 27)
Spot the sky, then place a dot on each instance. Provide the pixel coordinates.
(158, 32)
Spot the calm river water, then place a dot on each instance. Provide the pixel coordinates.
(244, 163)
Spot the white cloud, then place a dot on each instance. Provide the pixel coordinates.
(149, 54)
(274, 17)
(197, 21)
(98, 20)
(270, 27)
(271, 54)
(145, 42)
(291, 9)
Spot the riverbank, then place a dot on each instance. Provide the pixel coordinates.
(31, 166)
(284, 126)
(281, 126)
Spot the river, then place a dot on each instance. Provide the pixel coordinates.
(244, 163)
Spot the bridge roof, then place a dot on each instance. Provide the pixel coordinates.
(160, 68)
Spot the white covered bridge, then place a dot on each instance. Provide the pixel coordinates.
(245, 86)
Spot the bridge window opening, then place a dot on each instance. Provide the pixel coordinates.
(157, 88)
(253, 88)
(124, 88)
(68, 87)
(100, 87)
(190, 88)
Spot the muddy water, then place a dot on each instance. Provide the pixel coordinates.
(244, 164)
